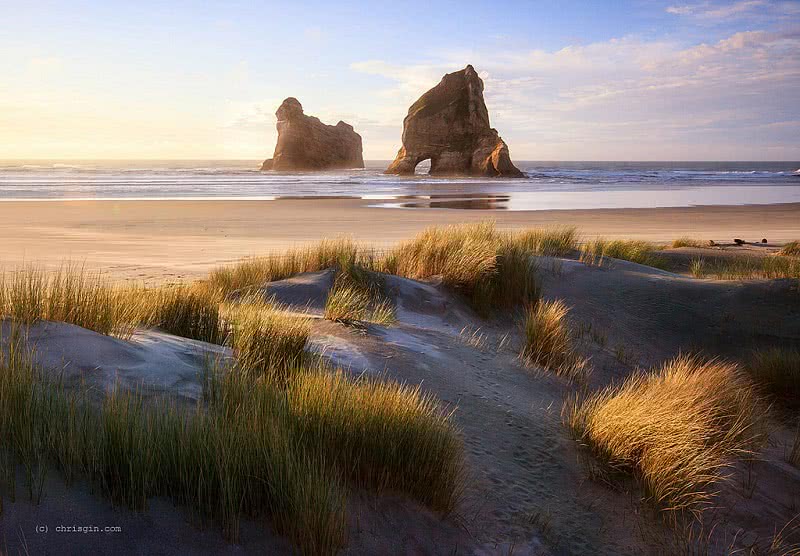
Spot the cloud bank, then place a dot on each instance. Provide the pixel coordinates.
(630, 98)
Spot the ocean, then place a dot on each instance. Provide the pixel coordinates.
(547, 185)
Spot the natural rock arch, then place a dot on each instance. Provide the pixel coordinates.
(450, 126)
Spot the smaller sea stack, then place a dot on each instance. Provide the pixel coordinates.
(305, 143)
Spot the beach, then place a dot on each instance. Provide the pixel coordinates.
(167, 240)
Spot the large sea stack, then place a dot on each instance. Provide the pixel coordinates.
(450, 126)
(305, 143)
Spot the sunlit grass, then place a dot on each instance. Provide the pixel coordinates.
(70, 295)
(358, 295)
(552, 242)
(267, 341)
(492, 270)
(746, 267)
(350, 305)
(637, 251)
(548, 340)
(678, 428)
(380, 435)
(461, 255)
(88, 300)
(697, 267)
(688, 242)
(255, 272)
(191, 311)
(791, 249)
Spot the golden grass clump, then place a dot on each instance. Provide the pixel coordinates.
(490, 268)
(358, 295)
(777, 371)
(767, 267)
(69, 295)
(267, 340)
(514, 281)
(189, 311)
(85, 299)
(351, 305)
(254, 272)
(548, 340)
(462, 255)
(380, 435)
(791, 249)
(677, 428)
(637, 251)
(555, 241)
(697, 267)
(688, 242)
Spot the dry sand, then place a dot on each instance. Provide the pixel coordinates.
(169, 240)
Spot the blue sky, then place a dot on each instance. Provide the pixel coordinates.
(564, 80)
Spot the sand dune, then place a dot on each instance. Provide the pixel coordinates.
(527, 489)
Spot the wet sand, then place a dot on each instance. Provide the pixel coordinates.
(170, 240)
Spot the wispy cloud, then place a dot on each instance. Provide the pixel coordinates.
(745, 11)
(632, 98)
(717, 10)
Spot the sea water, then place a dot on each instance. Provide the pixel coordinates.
(546, 185)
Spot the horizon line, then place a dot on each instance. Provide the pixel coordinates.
(387, 160)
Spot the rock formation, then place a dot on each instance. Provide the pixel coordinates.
(450, 125)
(305, 143)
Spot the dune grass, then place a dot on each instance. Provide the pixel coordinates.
(223, 464)
(492, 270)
(266, 340)
(697, 267)
(256, 448)
(548, 340)
(190, 311)
(677, 429)
(88, 300)
(688, 242)
(791, 249)
(514, 282)
(350, 305)
(777, 371)
(358, 295)
(555, 241)
(746, 268)
(793, 452)
(461, 255)
(637, 251)
(254, 272)
(69, 295)
(380, 435)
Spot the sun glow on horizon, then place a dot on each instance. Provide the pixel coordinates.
(112, 81)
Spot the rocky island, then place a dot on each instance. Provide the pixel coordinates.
(450, 126)
(305, 143)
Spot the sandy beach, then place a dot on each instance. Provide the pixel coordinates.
(171, 240)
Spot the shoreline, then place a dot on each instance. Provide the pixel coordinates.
(377, 201)
(156, 241)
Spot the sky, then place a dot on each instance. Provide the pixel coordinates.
(594, 80)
